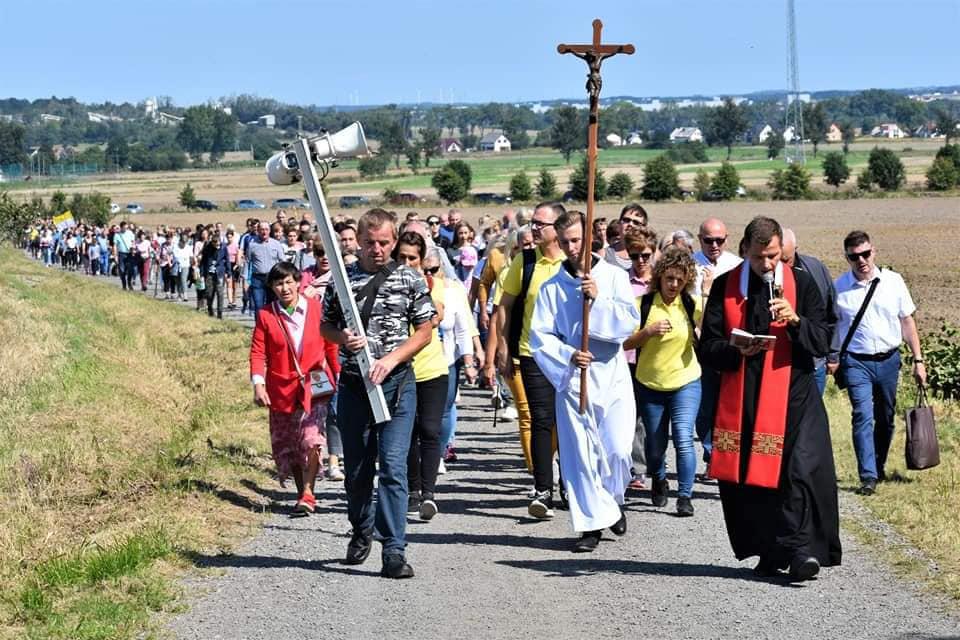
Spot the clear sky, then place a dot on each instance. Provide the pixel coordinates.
(359, 51)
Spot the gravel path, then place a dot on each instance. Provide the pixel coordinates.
(485, 570)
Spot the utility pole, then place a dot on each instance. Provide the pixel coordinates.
(794, 115)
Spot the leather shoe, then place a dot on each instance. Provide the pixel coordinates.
(804, 567)
(588, 542)
(359, 548)
(620, 526)
(867, 487)
(396, 567)
(766, 568)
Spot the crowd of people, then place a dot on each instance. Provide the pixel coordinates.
(441, 305)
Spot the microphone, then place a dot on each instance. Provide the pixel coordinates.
(768, 278)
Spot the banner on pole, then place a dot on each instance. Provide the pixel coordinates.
(64, 221)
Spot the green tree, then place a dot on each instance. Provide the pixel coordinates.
(865, 180)
(463, 170)
(521, 188)
(372, 166)
(660, 180)
(546, 185)
(188, 198)
(413, 157)
(886, 169)
(942, 175)
(578, 183)
(567, 133)
(224, 134)
(701, 184)
(197, 130)
(726, 182)
(430, 143)
(835, 169)
(15, 216)
(394, 142)
(92, 208)
(11, 143)
(58, 203)
(951, 152)
(117, 152)
(449, 185)
(621, 185)
(726, 124)
(946, 124)
(849, 135)
(792, 183)
(815, 124)
(775, 144)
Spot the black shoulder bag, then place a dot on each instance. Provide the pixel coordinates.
(840, 377)
(519, 304)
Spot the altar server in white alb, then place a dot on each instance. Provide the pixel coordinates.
(594, 447)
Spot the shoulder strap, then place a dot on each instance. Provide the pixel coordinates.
(646, 303)
(369, 291)
(529, 262)
(859, 316)
(286, 335)
(691, 308)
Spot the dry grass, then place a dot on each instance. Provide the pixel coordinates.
(121, 417)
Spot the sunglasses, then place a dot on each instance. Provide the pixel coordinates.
(854, 256)
(715, 241)
(433, 223)
(540, 224)
(637, 221)
(432, 271)
(646, 255)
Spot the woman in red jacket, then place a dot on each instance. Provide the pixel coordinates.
(285, 349)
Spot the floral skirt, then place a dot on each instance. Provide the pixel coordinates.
(294, 435)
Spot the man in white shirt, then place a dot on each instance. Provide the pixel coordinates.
(870, 365)
(712, 260)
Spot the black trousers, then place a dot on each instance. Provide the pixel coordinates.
(541, 397)
(423, 460)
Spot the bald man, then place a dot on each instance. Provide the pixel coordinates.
(821, 275)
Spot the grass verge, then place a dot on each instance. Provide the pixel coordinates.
(128, 442)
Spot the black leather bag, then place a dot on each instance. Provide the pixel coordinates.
(840, 375)
(922, 449)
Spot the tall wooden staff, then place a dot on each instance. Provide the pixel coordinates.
(594, 54)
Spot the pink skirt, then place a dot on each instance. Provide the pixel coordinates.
(294, 435)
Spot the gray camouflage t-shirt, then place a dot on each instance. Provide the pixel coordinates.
(402, 302)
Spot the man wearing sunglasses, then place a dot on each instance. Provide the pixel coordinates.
(870, 364)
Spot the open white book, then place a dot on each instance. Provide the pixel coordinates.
(743, 339)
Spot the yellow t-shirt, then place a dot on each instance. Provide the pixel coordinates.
(543, 270)
(668, 362)
(430, 363)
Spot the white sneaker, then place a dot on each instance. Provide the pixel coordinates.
(540, 508)
(509, 414)
(442, 469)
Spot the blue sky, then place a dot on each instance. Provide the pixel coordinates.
(322, 52)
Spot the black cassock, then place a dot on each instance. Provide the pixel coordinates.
(801, 515)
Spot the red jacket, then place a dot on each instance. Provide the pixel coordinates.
(271, 358)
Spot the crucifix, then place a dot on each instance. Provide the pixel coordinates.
(593, 54)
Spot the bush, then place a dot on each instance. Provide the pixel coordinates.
(463, 170)
(942, 175)
(373, 166)
(660, 181)
(521, 189)
(621, 185)
(886, 169)
(546, 185)
(449, 185)
(92, 208)
(688, 153)
(951, 151)
(187, 197)
(792, 183)
(835, 169)
(701, 184)
(941, 352)
(726, 182)
(865, 180)
(578, 183)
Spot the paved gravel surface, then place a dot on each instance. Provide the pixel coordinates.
(486, 570)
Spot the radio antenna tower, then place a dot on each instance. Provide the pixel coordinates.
(794, 117)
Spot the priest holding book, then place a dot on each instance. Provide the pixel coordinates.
(771, 442)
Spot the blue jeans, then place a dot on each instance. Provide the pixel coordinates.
(820, 376)
(707, 413)
(872, 388)
(660, 410)
(260, 296)
(104, 263)
(448, 423)
(364, 444)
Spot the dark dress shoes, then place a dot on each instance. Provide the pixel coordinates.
(620, 526)
(588, 542)
(804, 567)
(359, 548)
(766, 568)
(395, 566)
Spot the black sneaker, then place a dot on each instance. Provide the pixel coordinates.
(684, 507)
(396, 567)
(413, 503)
(658, 492)
(541, 507)
(868, 487)
(359, 548)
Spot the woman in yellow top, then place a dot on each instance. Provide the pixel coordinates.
(430, 370)
(669, 374)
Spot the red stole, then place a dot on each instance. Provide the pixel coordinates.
(766, 451)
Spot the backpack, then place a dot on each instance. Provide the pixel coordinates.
(516, 314)
(646, 303)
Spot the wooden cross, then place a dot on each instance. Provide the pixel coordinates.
(593, 54)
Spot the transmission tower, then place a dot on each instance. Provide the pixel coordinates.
(794, 112)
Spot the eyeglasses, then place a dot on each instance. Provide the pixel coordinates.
(646, 255)
(433, 223)
(854, 256)
(716, 241)
(637, 221)
(540, 224)
(432, 271)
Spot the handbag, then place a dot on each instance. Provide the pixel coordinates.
(922, 449)
(322, 386)
(840, 376)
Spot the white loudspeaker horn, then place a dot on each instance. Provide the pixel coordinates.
(349, 142)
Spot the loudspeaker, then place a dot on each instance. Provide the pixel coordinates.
(350, 142)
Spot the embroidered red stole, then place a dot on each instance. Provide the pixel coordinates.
(766, 450)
